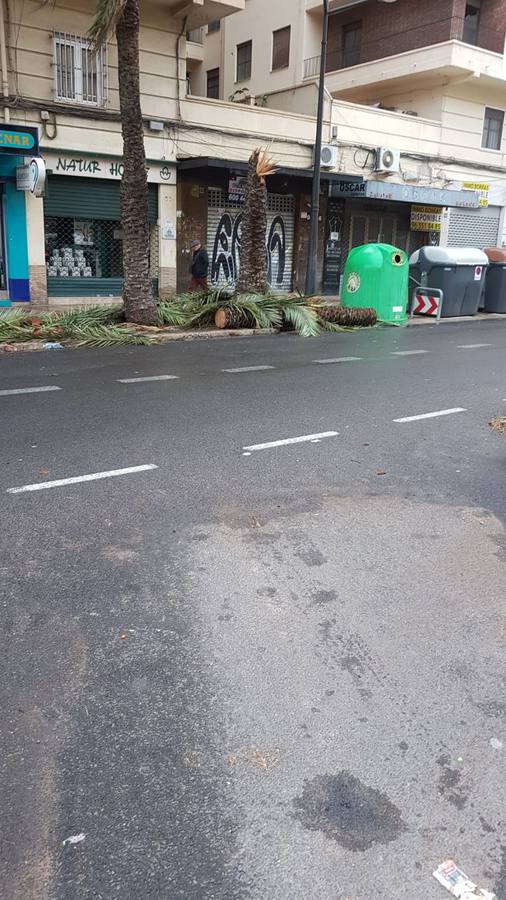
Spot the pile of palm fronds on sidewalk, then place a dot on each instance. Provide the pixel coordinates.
(101, 326)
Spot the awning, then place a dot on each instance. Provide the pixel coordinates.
(207, 162)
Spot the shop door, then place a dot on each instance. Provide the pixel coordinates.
(373, 229)
(224, 240)
(332, 260)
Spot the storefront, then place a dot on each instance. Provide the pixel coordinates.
(82, 225)
(364, 212)
(16, 143)
(210, 207)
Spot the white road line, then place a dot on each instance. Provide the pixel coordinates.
(314, 438)
(148, 378)
(408, 352)
(96, 476)
(32, 390)
(338, 359)
(248, 369)
(472, 346)
(432, 415)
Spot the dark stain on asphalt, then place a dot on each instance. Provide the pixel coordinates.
(449, 783)
(321, 597)
(312, 557)
(487, 828)
(500, 885)
(496, 709)
(403, 747)
(349, 812)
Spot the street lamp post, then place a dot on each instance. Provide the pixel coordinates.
(312, 251)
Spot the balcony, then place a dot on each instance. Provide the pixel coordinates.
(201, 12)
(423, 67)
(195, 45)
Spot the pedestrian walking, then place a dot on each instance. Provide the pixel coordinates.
(199, 267)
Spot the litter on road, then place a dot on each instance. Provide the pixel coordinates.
(458, 884)
(74, 839)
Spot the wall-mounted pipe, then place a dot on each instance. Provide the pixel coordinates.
(3, 63)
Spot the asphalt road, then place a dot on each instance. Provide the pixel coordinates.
(254, 673)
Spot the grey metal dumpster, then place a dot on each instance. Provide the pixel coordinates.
(495, 283)
(458, 271)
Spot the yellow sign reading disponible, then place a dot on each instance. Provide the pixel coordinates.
(481, 186)
(426, 218)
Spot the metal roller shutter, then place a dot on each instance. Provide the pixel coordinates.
(224, 240)
(478, 228)
(83, 239)
(90, 198)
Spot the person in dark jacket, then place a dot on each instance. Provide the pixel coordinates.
(199, 267)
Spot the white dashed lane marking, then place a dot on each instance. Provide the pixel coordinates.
(312, 438)
(248, 369)
(77, 479)
(472, 346)
(432, 415)
(148, 378)
(30, 390)
(338, 359)
(409, 352)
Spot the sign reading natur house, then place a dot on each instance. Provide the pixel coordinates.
(100, 167)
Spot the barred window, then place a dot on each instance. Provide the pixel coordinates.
(80, 70)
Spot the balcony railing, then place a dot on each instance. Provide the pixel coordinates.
(454, 28)
(196, 36)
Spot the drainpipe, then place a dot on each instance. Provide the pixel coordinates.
(3, 63)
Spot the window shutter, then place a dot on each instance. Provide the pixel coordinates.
(281, 48)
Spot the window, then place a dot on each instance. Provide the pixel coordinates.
(281, 48)
(493, 125)
(471, 23)
(80, 70)
(244, 61)
(213, 26)
(213, 84)
(352, 43)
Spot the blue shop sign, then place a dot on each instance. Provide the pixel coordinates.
(19, 140)
(405, 193)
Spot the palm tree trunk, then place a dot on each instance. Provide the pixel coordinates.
(137, 293)
(253, 255)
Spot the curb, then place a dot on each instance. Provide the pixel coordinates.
(30, 346)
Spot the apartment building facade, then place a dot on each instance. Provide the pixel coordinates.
(66, 245)
(436, 70)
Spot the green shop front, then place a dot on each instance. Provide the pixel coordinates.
(82, 224)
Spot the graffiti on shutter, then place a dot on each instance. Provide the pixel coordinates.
(224, 240)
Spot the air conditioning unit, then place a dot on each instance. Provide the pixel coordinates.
(328, 156)
(387, 160)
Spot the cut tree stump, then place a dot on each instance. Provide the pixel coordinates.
(346, 316)
(231, 318)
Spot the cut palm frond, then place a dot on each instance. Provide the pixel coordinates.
(301, 317)
(15, 326)
(91, 315)
(172, 313)
(104, 336)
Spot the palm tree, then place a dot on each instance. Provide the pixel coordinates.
(122, 17)
(253, 255)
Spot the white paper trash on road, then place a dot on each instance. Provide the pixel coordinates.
(74, 839)
(458, 884)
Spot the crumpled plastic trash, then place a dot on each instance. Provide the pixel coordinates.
(52, 345)
(458, 884)
(74, 839)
